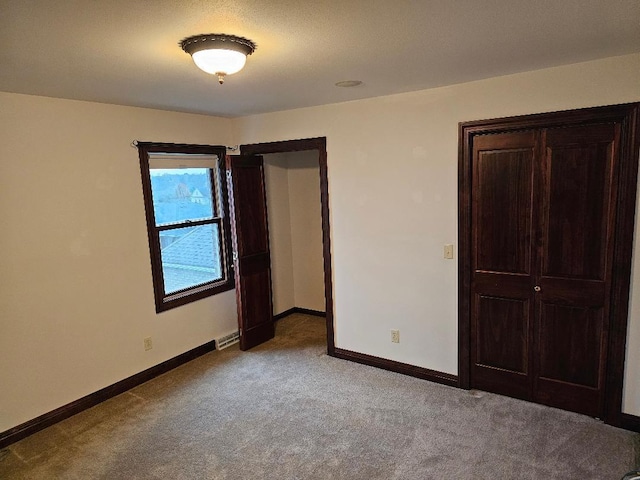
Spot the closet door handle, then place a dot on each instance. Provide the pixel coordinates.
(537, 288)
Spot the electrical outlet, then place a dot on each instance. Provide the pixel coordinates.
(148, 343)
(395, 336)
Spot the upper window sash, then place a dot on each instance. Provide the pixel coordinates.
(182, 160)
(170, 208)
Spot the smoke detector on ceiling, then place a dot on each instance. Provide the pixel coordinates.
(349, 83)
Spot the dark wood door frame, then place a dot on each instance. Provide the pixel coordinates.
(319, 144)
(628, 115)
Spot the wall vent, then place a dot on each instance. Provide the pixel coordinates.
(227, 340)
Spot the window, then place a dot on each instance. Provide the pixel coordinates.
(185, 198)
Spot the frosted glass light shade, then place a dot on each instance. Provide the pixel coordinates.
(217, 53)
(219, 60)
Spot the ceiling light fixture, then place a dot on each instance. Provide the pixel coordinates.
(218, 54)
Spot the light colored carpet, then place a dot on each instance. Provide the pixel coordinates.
(285, 410)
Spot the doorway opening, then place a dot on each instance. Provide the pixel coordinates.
(294, 163)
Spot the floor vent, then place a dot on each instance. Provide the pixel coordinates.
(227, 340)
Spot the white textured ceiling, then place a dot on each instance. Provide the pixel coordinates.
(126, 51)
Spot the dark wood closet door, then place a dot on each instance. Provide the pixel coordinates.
(543, 212)
(547, 220)
(576, 231)
(503, 262)
(252, 261)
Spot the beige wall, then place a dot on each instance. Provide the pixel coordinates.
(278, 210)
(631, 399)
(295, 230)
(76, 298)
(306, 230)
(392, 165)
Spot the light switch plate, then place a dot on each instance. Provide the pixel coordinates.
(448, 251)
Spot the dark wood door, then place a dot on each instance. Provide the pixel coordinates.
(578, 198)
(503, 262)
(251, 259)
(543, 208)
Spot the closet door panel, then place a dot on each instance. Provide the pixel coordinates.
(502, 333)
(502, 262)
(575, 275)
(503, 181)
(570, 352)
(578, 210)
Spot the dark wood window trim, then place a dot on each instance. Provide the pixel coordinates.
(319, 144)
(629, 117)
(163, 301)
